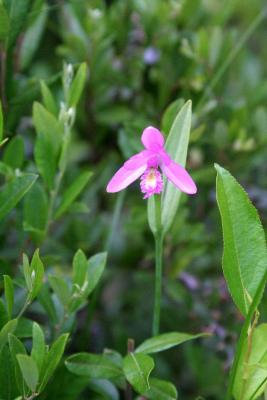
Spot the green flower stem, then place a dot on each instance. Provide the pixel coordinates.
(158, 264)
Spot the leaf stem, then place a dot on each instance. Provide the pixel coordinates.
(246, 360)
(128, 389)
(243, 335)
(158, 267)
(24, 308)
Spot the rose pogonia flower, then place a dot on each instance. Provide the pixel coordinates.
(146, 165)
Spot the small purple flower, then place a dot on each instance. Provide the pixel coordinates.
(145, 165)
(151, 55)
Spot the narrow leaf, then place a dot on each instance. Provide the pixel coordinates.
(52, 360)
(73, 192)
(29, 370)
(4, 28)
(96, 266)
(176, 146)
(9, 294)
(9, 327)
(77, 85)
(165, 341)
(245, 253)
(16, 347)
(13, 191)
(14, 152)
(48, 99)
(38, 345)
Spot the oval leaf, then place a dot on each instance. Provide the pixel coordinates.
(244, 254)
(95, 366)
(161, 390)
(137, 368)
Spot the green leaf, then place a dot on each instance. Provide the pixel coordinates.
(165, 341)
(29, 370)
(176, 147)
(9, 294)
(245, 253)
(38, 345)
(170, 114)
(9, 327)
(13, 191)
(61, 289)
(252, 373)
(16, 347)
(48, 142)
(8, 387)
(4, 28)
(45, 299)
(80, 267)
(18, 17)
(35, 212)
(105, 388)
(27, 272)
(1, 114)
(94, 366)
(73, 192)
(96, 266)
(51, 360)
(137, 368)
(14, 152)
(37, 274)
(161, 390)
(48, 99)
(77, 86)
(32, 36)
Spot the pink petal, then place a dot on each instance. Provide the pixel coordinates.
(123, 178)
(179, 177)
(138, 160)
(152, 139)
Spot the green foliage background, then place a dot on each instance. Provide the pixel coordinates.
(142, 58)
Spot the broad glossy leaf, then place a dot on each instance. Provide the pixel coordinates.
(245, 253)
(73, 192)
(105, 388)
(77, 85)
(253, 371)
(137, 368)
(161, 390)
(165, 341)
(95, 366)
(13, 191)
(9, 294)
(29, 370)
(51, 360)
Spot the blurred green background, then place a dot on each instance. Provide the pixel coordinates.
(143, 57)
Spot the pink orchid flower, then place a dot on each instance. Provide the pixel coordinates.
(145, 165)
